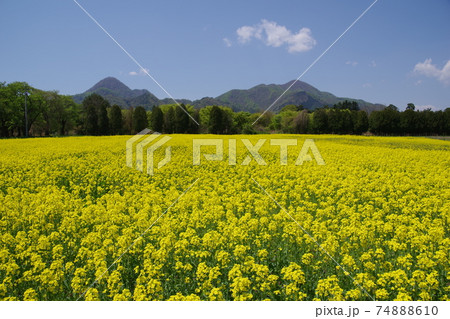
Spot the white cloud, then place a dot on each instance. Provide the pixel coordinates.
(275, 35)
(227, 42)
(246, 33)
(431, 70)
(367, 85)
(373, 64)
(352, 63)
(141, 72)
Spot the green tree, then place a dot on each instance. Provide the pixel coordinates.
(194, 127)
(347, 105)
(169, 120)
(320, 121)
(157, 119)
(67, 115)
(290, 107)
(335, 121)
(265, 119)
(360, 122)
(181, 119)
(103, 120)
(215, 120)
(241, 120)
(128, 121)
(5, 110)
(385, 122)
(287, 121)
(140, 121)
(301, 122)
(36, 107)
(95, 103)
(227, 120)
(427, 122)
(59, 114)
(411, 106)
(409, 121)
(116, 120)
(91, 122)
(446, 122)
(15, 106)
(53, 104)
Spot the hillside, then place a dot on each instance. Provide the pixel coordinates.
(118, 93)
(252, 100)
(262, 96)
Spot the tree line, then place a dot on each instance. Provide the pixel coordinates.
(49, 113)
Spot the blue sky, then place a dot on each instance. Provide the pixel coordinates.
(399, 52)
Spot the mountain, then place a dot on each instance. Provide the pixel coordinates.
(118, 93)
(262, 96)
(255, 99)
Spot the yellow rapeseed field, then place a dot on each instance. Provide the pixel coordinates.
(70, 208)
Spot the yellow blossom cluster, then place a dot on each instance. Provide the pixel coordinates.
(77, 223)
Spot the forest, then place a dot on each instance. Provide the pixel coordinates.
(27, 111)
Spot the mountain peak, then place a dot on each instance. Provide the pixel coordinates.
(110, 83)
(298, 85)
(118, 93)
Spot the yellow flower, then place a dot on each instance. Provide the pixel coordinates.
(403, 296)
(215, 295)
(30, 295)
(92, 295)
(381, 294)
(328, 289)
(307, 258)
(71, 206)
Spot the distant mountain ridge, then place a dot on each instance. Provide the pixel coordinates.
(252, 100)
(118, 93)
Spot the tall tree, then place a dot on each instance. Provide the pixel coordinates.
(17, 94)
(50, 112)
(320, 121)
(193, 126)
(5, 110)
(411, 106)
(287, 121)
(446, 121)
(91, 121)
(385, 122)
(301, 122)
(66, 115)
(169, 120)
(360, 122)
(227, 120)
(409, 121)
(116, 120)
(103, 121)
(157, 119)
(128, 121)
(140, 121)
(335, 121)
(181, 119)
(215, 120)
(241, 120)
(95, 103)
